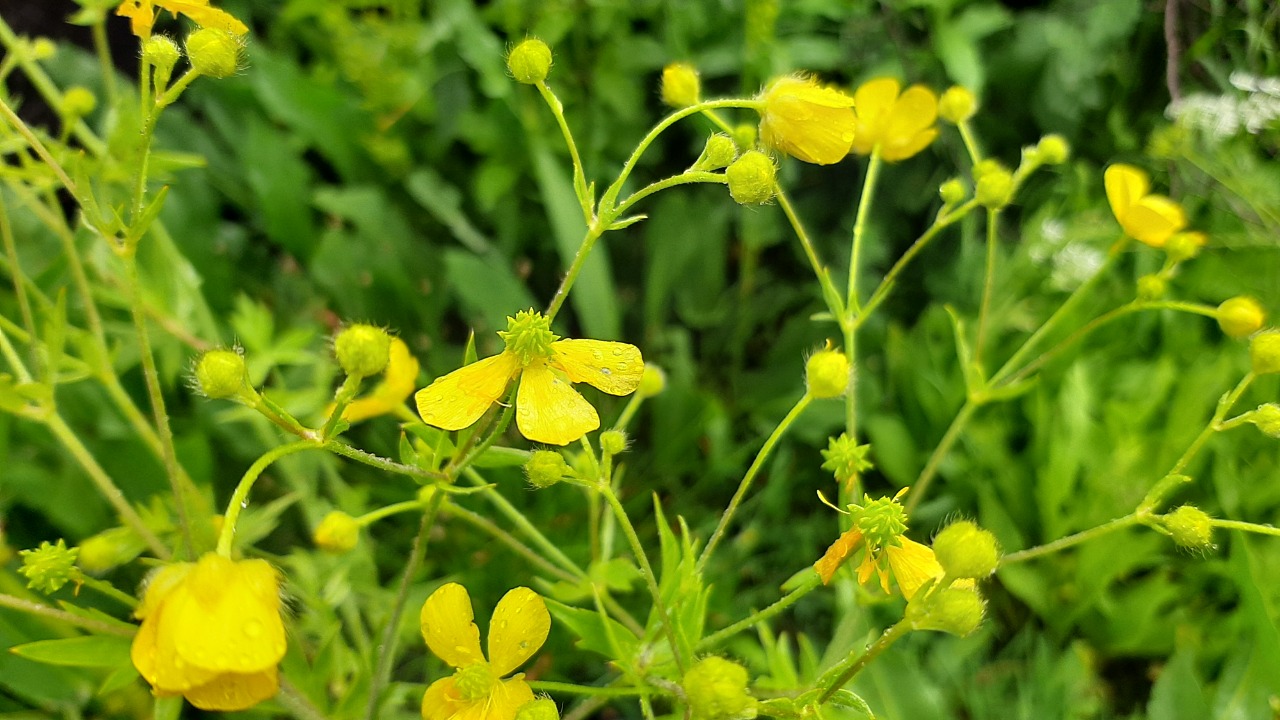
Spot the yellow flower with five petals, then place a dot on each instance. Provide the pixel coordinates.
(897, 125)
(476, 690)
(548, 409)
(879, 527)
(1145, 217)
(806, 120)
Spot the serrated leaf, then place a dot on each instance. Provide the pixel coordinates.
(84, 651)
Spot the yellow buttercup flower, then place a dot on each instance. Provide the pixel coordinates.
(548, 409)
(1148, 218)
(142, 15)
(879, 527)
(899, 125)
(398, 382)
(211, 632)
(806, 120)
(476, 690)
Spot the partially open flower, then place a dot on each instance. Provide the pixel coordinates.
(1147, 218)
(806, 120)
(900, 125)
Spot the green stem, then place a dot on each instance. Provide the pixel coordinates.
(970, 143)
(791, 598)
(859, 230)
(46, 87)
(346, 393)
(569, 688)
(579, 173)
(34, 608)
(240, 497)
(575, 268)
(829, 291)
(15, 360)
(930, 470)
(15, 270)
(298, 704)
(387, 648)
(1220, 412)
(1245, 526)
(486, 525)
(988, 284)
(373, 516)
(1071, 540)
(855, 665)
(103, 50)
(684, 178)
(35, 143)
(340, 448)
(519, 520)
(109, 590)
(745, 484)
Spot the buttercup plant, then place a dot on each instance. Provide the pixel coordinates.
(276, 607)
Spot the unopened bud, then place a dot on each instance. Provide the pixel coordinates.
(214, 53)
(752, 178)
(1184, 246)
(42, 48)
(653, 381)
(161, 53)
(955, 610)
(538, 709)
(78, 102)
(545, 468)
(1264, 352)
(1189, 527)
(957, 104)
(720, 152)
(338, 532)
(1267, 419)
(362, 350)
(1053, 150)
(613, 442)
(530, 61)
(49, 567)
(1241, 316)
(827, 374)
(965, 550)
(717, 690)
(221, 374)
(680, 85)
(845, 458)
(109, 549)
(994, 184)
(953, 191)
(1152, 287)
(744, 136)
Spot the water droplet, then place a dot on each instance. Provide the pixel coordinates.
(617, 352)
(244, 503)
(622, 366)
(253, 628)
(606, 371)
(597, 355)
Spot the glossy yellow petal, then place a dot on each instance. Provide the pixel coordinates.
(235, 691)
(231, 621)
(915, 110)
(155, 652)
(835, 555)
(1125, 184)
(458, 399)
(441, 701)
(448, 626)
(1153, 219)
(141, 14)
(902, 148)
(806, 120)
(872, 103)
(614, 367)
(204, 15)
(912, 564)
(160, 584)
(519, 627)
(549, 410)
(507, 699)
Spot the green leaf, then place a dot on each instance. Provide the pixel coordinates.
(1177, 694)
(596, 634)
(85, 651)
(118, 679)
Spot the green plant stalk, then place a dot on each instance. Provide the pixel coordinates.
(504, 421)
(1220, 412)
(338, 447)
(830, 293)
(579, 173)
(516, 517)
(1071, 540)
(791, 598)
(15, 361)
(684, 178)
(382, 673)
(1245, 526)
(240, 497)
(19, 286)
(103, 50)
(34, 608)
(106, 486)
(298, 704)
(930, 470)
(651, 580)
(629, 412)
(594, 232)
(988, 285)
(970, 142)
(45, 86)
(745, 484)
(346, 393)
(486, 525)
(859, 232)
(373, 516)
(571, 689)
(855, 665)
(109, 590)
(37, 145)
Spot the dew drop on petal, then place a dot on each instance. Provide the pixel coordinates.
(606, 371)
(253, 629)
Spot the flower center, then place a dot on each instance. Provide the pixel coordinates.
(475, 681)
(528, 336)
(881, 520)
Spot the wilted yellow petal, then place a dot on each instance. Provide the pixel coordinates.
(1125, 184)
(835, 555)
(614, 367)
(549, 410)
(519, 627)
(458, 399)
(235, 691)
(912, 564)
(448, 626)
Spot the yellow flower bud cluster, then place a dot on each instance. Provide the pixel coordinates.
(546, 468)
(215, 52)
(966, 551)
(957, 610)
(221, 374)
(1190, 527)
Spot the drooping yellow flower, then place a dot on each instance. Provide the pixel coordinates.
(548, 409)
(878, 528)
(398, 382)
(806, 120)
(211, 632)
(142, 15)
(1147, 218)
(476, 690)
(900, 125)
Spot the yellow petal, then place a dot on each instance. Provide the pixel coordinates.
(458, 399)
(441, 701)
(204, 15)
(448, 626)
(914, 111)
(903, 148)
(872, 102)
(1125, 184)
(1153, 219)
(507, 699)
(160, 584)
(397, 384)
(613, 367)
(142, 16)
(806, 120)
(835, 556)
(912, 564)
(231, 624)
(549, 410)
(519, 627)
(155, 653)
(235, 691)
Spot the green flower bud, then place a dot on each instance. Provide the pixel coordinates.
(1152, 287)
(751, 178)
(827, 374)
(539, 709)
(42, 48)
(953, 191)
(1184, 246)
(680, 85)
(1053, 150)
(1189, 527)
(957, 104)
(530, 61)
(49, 567)
(653, 381)
(966, 551)
(744, 136)
(77, 102)
(109, 549)
(1267, 419)
(717, 690)
(1264, 352)
(214, 53)
(362, 350)
(545, 468)
(1241, 316)
(720, 152)
(161, 53)
(994, 184)
(613, 442)
(222, 374)
(955, 610)
(845, 458)
(338, 532)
